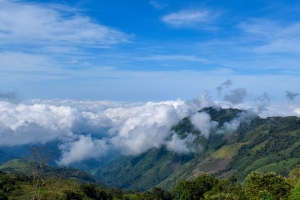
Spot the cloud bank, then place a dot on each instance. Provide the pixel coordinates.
(89, 129)
(93, 129)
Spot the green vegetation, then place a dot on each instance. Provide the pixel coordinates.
(227, 151)
(251, 152)
(264, 145)
(257, 186)
(20, 166)
(138, 172)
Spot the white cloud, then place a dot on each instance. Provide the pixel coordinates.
(84, 148)
(157, 5)
(19, 61)
(273, 36)
(182, 146)
(91, 129)
(188, 58)
(189, 18)
(128, 128)
(40, 24)
(203, 123)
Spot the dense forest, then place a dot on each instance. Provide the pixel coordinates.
(258, 185)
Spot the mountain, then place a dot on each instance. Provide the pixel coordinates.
(4, 157)
(21, 166)
(240, 143)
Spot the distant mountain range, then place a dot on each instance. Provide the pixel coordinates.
(271, 144)
(237, 143)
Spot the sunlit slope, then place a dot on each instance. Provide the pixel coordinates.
(271, 144)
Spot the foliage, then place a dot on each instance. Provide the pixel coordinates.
(141, 172)
(266, 185)
(295, 192)
(189, 190)
(271, 144)
(157, 193)
(294, 176)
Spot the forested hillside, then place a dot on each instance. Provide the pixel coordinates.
(257, 186)
(241, 142)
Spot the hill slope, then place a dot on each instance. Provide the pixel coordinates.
(20, 166)
(241, 142)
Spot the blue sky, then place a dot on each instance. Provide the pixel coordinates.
(141, 50)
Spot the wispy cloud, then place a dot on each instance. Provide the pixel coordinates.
(157, 5)
(173, 57)
(189, 18)
(273, 36)
(19, 61)
(50, 41)
(37, 24)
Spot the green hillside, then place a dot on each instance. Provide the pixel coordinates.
(20, 166)
(271, 144)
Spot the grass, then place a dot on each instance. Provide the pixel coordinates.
(251, 134)
(18, 165)
(228, 151)
(260, 146)
(281, 167)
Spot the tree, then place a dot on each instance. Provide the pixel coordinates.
(259, 185)
(39, 157)
(189, 190)
(294, 176)
(295, 192)
(157, 193)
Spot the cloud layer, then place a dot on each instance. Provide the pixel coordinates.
(89, 129)
(92, 129)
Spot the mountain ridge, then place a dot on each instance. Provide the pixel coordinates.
(255, 144)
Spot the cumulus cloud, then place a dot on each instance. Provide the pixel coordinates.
(182, 146)
(203, 123)
(24, 124)
(127, 128)
(233, 125)
(84, 148)
(138, 128)
(92, 129)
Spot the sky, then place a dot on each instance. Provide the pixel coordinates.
(142, 50)
(102, 76)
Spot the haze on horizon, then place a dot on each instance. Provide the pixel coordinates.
(109, 75)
